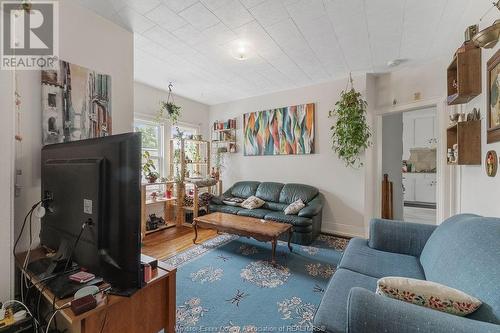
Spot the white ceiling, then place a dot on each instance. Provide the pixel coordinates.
(295, 42)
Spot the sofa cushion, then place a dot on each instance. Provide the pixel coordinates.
(224, 209)
(293, 192)
(257, 213)
(430, 294)
(464, 253)
(294, 208)
(276, 206)
(291, 219)
(361, 258)
(269, 191)
(252, 202)
(332, 312)
(244, 189)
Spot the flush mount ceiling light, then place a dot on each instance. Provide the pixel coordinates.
(488, 38)
(241, 50)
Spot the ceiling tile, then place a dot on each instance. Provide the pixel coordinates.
(178, 5)
(295, 42)
(141, 6)
(233, 14)
(322, 40)
(385, 25)
(349, 23)
(134, 21)
(166, 18)
(199, 16)
(251, 3)
(218, 34)
(188, 34)
(306, 9)
(216, 4)
(269, 12)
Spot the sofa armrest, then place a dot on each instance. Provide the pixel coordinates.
(369, 312)
(399, 237)
(313, 207)
(218, 200)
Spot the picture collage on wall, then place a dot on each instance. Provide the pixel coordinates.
(76, 104)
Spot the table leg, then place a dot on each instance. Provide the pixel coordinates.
(195, 226)
(273, 257)
(290, 233)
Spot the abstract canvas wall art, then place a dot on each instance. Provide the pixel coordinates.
(76, 104)
(282, 131)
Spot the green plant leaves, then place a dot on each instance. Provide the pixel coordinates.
(168, 111)
(350, 133)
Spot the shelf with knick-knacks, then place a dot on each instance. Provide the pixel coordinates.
(157, 202)
(464, 143)
(224, 136)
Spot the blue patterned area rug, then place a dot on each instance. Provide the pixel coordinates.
(227, 284)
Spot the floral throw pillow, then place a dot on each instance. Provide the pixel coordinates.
(294, 207)
(252, 203)
(429, 294)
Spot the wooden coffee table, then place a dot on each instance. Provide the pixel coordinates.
(261, 230)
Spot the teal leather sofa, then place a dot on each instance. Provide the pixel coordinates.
(306, 224)
(463, 253)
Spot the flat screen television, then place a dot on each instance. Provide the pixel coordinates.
(96, 180)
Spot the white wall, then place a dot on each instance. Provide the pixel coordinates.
(344, 188)
(401, 85)
(90, 41)
(6, 185)
(147, 100)
(476, 192)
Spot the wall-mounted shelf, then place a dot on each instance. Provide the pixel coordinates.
(467, 135)
(464, 75)
(224, 136)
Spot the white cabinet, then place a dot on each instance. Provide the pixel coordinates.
(419, 131)
(424, 133)
(420, 187)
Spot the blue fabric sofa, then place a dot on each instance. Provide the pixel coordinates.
(306, 224)
(462, 253)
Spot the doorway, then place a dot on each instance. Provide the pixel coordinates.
(409, 151)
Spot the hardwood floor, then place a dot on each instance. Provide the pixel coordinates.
(166, 243)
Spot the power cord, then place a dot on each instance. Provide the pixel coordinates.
(23, 270)
(84, 225)
(6, 303)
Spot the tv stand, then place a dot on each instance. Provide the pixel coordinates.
(150, 309)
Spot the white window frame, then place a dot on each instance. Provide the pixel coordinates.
(161, 143)
(183, 127)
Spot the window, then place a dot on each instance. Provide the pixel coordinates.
(186, 130)
(152, 141)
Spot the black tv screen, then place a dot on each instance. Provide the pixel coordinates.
(97, 179)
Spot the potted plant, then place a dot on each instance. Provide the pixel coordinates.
(350, 132)
(149, 168)
(169, 111)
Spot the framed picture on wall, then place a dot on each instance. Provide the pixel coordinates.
(493, 98)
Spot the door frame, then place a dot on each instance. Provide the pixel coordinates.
(443, 175)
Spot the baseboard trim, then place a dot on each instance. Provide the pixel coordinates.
(341, 229)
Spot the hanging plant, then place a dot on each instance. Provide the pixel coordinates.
(168, 109)
(350, 133)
